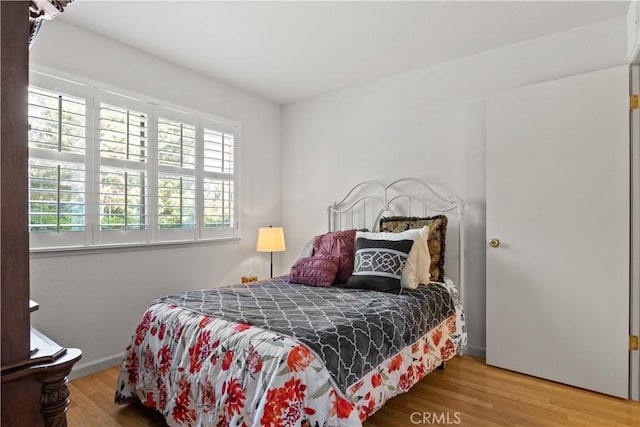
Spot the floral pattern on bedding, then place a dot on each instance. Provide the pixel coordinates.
(200, 370)
(351, 330)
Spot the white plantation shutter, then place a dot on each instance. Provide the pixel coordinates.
(219, 188)
(124, 147)
(122, 199)
(56, 121)
(176, 202)
(109, 169)
(177, 170)
(57, 191)
(176, 144)
(218, 203)
(218, 151)
(56, 196)
(123, 133)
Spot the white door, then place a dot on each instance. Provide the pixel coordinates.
(558, 202)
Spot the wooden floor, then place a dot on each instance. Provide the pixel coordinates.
(467, 393)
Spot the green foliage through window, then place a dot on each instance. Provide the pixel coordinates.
(56, 197)
(176, 202)
(122, 200)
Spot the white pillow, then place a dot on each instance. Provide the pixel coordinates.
(416, 271)
(307, 250)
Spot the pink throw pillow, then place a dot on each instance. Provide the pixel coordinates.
(317, 270)
(340, 244)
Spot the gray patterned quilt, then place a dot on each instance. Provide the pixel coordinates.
(351, 330)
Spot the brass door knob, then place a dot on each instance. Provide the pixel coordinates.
(494, 243)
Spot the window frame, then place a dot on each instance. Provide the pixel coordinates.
(93, 237)
(222, 232)
(76, 238)
(180, 233)
(110, 237)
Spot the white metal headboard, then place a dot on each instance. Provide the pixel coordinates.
(368, 201)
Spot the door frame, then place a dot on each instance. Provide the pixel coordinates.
(634, 237)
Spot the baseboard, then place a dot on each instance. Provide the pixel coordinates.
(89, 368)
(479, 352)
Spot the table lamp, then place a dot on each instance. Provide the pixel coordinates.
(270, 239)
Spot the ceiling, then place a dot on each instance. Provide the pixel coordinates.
(287, 51)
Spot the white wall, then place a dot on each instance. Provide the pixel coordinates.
(430, 124)
(94, 301)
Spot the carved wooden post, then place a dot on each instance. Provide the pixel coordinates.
(54, 400)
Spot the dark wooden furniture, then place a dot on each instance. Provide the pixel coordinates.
(14, 155)
(34, 383)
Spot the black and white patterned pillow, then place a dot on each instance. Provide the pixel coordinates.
(378, 264)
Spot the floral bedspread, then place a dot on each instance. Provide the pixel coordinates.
(351, 330)
(207, 371)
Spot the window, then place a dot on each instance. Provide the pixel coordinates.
(56, 196)
(218, 179)
(57, 122)
(124, 169)
(57, 176)
(176, 202)
(122, 199)
(108, 169)
(176, 144)
(177, 168)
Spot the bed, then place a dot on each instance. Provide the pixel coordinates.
(277, 353)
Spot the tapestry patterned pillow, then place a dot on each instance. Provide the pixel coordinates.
(436, 240)
(378, 264)
(416, 271)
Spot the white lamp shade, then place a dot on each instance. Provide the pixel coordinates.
(270, 239)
